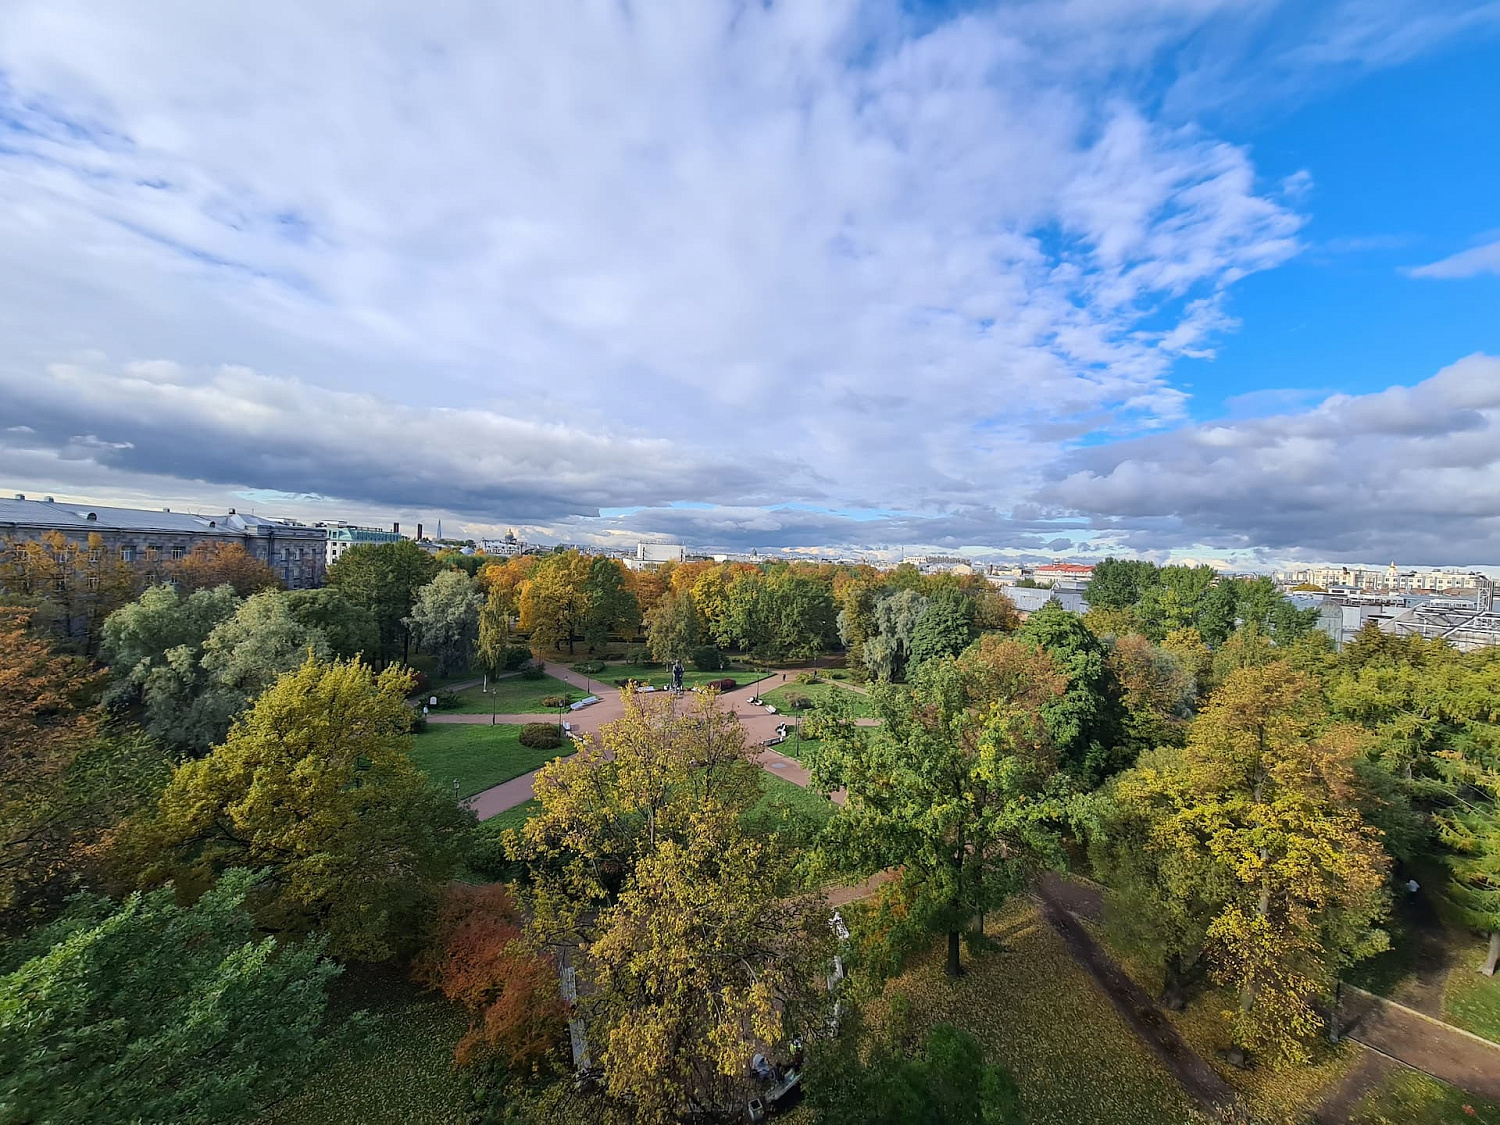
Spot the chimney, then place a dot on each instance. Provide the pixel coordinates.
(419, 531)
(395, 529)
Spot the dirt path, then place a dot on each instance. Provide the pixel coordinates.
(1199, 1079)
(1339, 1106)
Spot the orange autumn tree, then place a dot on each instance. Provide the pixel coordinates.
(209, 565)
(476, 959)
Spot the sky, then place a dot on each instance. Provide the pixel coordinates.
(1185, 279)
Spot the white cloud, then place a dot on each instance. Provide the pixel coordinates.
(520, 262)
(1466, 263)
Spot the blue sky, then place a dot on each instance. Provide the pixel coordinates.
(1207, 279)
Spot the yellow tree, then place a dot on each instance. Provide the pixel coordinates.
(1264, 792)
(209, 565)
(554, 600)
(73, 586)
(693, 948)
(316, 784)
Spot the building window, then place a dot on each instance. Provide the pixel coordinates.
(150, 578)
(93, 582)
(95, 554)
(152, 553)
(177, 553)
(127, 554)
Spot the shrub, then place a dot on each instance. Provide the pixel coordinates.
(541, 736)
(638, 654)
(418, 721)
(445, 698)
(706, 658)
(534, 670)
(835, 675)
(589, 667)
(420, 684)
(796, 701)
(513, 656)
(726, 684)
(556, 700)
(807, 677)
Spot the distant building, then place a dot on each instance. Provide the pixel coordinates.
(1029, 599)
(507, 547)
(1063, 576)
(343, 536)
(648, 556)
(294, 551)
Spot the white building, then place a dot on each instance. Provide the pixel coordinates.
(343, 536)
(508, 547)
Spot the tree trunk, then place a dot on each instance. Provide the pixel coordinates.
(1494, 957)
(1174, 987)
(953, 968)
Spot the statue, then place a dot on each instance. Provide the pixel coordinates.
(677, 675)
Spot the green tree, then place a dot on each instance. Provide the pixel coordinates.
(1120, 583)
(554, 600)
(610, 603)
(316, 784)
(348, 628)
(444, 620)
(957, 787)
(799, 615)
(672, 627)
(945, 628)
(156, 1012)
(1086, 721)
(888, 650)
(1175, 601)
(383, 578)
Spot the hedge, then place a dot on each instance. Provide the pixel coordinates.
(540, 736)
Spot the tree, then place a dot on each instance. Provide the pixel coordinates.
(1259, 812)
(672, 627)
(888, 650)
(687, 932)
(156, 1012)
(348, 628)
(944, 629)
(610, 605)
(1120, 583)
(383, 578)
(210, 565)
(1086, 721)
(444, 620)
(1157, 692)
(494, 644)
(554, 600)
(316, 784)
(73, 586)
(1176, 600)
(957, 787)
(1472, 836)
(477, 958)
(43, 730)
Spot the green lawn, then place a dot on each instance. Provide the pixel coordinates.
(1471, 1000)
(1409, 1098)
(789, 811)
(512, 696)
(858, 703)
(513, 818)
(1041, 1017)
(402, 1074)
(660, 675)
(477, 754)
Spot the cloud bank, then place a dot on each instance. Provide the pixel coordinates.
(753, 274)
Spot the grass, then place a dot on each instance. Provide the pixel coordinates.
(788, 810)
(513, 818)
(857, 702)
(1407, 1097)
(1471, 1000)
(477, 754)
(401, 1074)
(660, 675)
(1041, 1017)
(514, 695)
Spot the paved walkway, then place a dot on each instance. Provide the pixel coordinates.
(1421, 1042)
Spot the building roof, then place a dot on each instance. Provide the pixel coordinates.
(1063, 568)
(91, 517)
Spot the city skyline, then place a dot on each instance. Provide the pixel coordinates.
(1047, 280)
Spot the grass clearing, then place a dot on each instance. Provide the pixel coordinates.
(660, 675)
(1041, 1017)
(1471, 1000)
(477, 754)
(1408, 1097)
(426, 663)
(857, 702)
(795, 814)
(513, 818)
(402, 1074)
(514, 695)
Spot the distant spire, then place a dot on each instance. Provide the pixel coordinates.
(440, 529)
